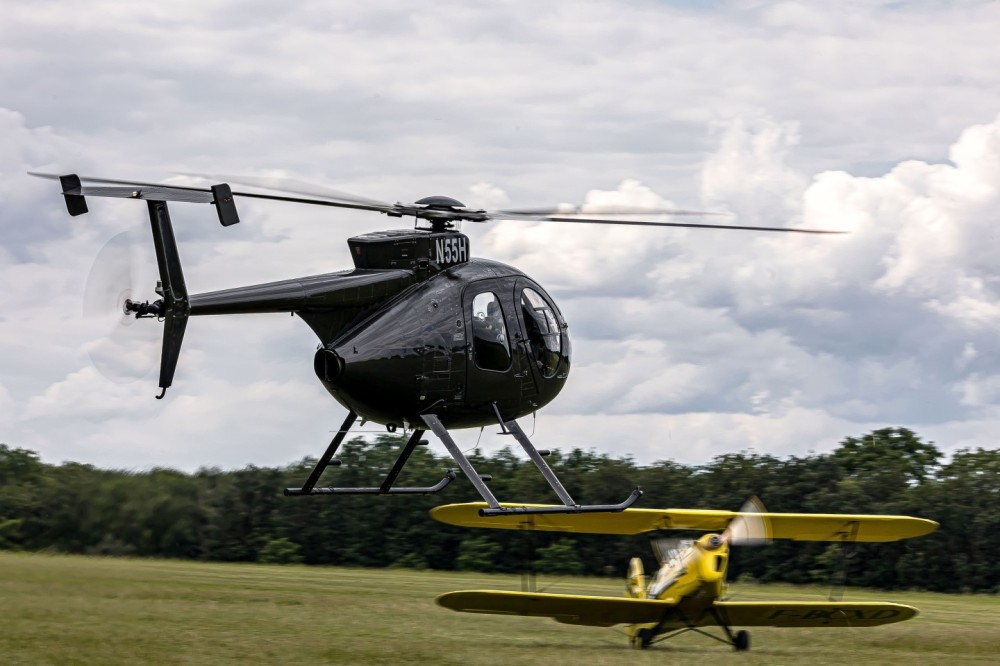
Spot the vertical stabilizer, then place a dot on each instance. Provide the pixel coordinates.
(635, 584)
(175, 296)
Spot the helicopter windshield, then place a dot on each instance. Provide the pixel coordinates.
(543, 331)
(489, 333)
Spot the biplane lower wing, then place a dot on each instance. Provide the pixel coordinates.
(796, 526)
(811, 613)
(609, 611)
(566, 608)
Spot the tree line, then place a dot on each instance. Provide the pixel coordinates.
(242, 516)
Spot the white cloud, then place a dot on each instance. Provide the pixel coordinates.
(749, 174)
(690, 342)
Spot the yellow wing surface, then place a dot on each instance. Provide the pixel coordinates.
(568, 608)
(609, 611)
(812, 613)
(798, 526)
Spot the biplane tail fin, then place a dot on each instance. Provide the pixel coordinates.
(635, 583)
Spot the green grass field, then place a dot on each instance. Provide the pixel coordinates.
(81, 610)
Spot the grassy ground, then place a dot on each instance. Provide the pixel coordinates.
(78, 610)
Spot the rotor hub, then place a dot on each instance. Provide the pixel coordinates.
(440, 202)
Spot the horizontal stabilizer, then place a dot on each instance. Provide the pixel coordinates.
(75, 192)
(796, 526)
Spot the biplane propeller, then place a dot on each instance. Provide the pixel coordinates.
(419, 335)
(686, 593)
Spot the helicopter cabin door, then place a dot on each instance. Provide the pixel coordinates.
(543, 338)
(497, 368)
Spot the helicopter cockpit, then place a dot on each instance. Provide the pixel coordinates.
(544, 332)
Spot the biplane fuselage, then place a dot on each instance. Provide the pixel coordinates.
(692, 577)
(696, 568)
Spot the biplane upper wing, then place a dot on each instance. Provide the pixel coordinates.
(809, 613)
(797, 526)
(566, 608)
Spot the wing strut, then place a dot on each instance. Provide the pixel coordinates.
(848, 549)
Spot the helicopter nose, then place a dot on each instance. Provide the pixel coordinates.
(328, 364)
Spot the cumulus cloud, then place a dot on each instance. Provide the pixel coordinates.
(690, 343)
(887, 324)
(749, 171)
(591, 258)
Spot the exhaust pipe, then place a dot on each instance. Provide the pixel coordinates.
(328, 365)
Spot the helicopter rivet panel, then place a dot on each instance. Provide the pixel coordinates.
(413, 250)
(400, 358)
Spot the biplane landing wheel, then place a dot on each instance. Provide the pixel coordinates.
(742, 640)
(642, 639)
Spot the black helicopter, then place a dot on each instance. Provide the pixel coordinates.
(420, 335)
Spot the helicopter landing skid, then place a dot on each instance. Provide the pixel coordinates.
(386, 488)
(494, 507)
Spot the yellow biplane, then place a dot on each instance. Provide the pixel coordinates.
(686, 592)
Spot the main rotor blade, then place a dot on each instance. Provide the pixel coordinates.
(686, 225)
(601, 210)
(335, 198)
(377, 207)
(113, 181)
(293, 186)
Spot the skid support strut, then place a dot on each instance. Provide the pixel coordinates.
(386, 488)
(493, 507)
(470, 472)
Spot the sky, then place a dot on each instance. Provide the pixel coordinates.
(877, 118)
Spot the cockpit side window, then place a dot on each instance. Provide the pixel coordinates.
(544, 335)
(489, 333)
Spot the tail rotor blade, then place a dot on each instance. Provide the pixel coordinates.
(125, 351)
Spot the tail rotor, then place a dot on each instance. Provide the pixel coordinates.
(110, 295)
(124, 352)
